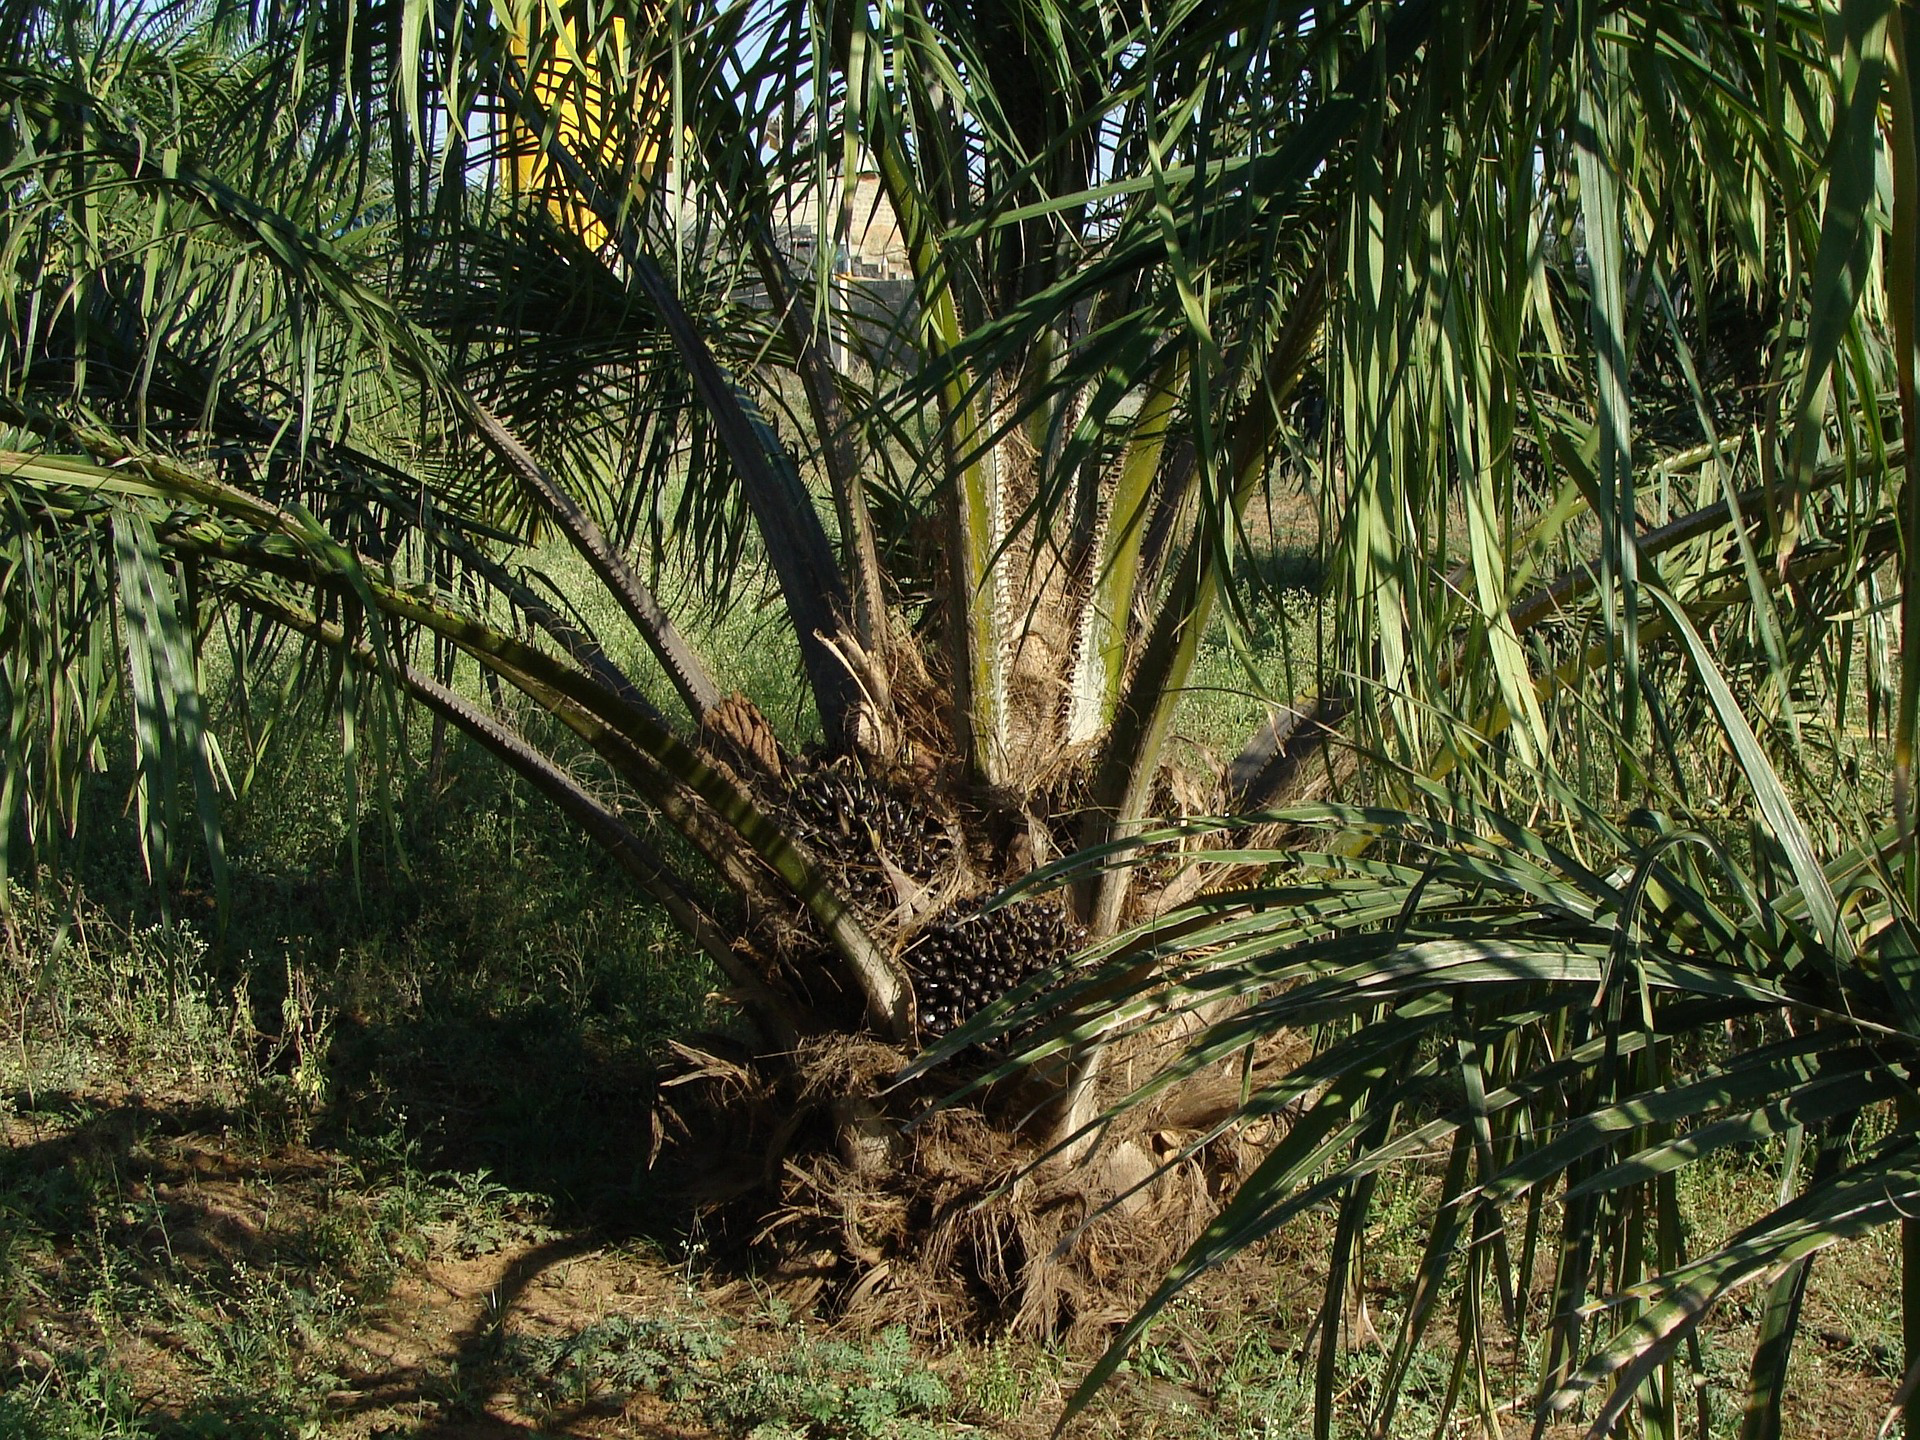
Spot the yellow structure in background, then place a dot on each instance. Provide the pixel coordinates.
(604, 113)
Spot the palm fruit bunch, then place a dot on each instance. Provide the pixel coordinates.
(967, 959)
(852, 819)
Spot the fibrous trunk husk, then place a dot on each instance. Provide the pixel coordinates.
(947, 1225)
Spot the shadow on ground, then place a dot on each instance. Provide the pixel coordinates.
(176, 1269)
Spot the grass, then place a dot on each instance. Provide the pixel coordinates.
(809, 1389)
(151, 1239)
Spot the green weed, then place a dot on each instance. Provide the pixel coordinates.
(78, 1397)
(473, 1214)
(88, 1001)
(810, 1389)
(997, 1385)
(825, 1390)
(618, 1355)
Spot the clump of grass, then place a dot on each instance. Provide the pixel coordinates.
(157, 1179)
(77, 1397)
(86, 1001)
(161, 1230)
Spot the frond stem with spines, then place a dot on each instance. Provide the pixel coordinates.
(1131, 753)
(1100, 664)
(689, 674)
(645, 865)
(796, 543)
(655, 760)
(973, 620)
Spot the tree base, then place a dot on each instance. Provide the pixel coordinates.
(950, 1223)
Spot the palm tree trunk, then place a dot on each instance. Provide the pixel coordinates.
(1132, 753)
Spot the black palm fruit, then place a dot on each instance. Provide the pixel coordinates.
(969, 958)
(852, 820)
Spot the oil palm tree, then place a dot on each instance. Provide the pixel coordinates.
(320, 316)
(995, 568)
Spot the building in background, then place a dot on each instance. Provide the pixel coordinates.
(877, 320)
